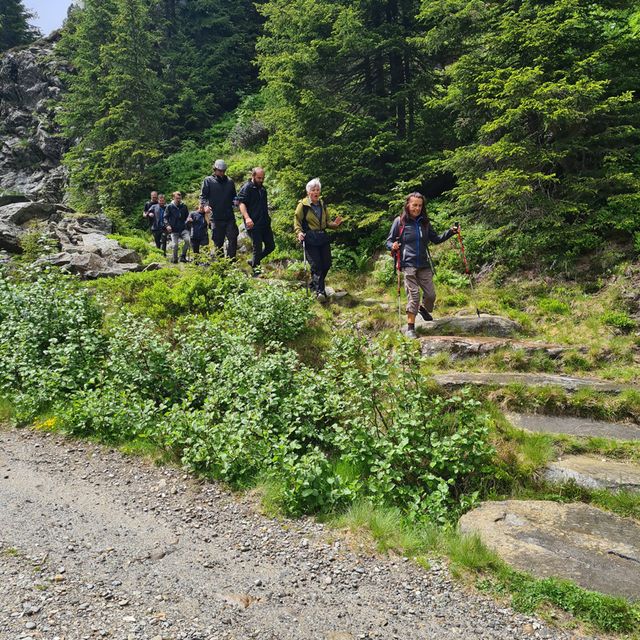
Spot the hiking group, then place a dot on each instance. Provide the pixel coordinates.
(408, 239)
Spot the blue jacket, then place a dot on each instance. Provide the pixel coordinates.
(157, 222)
(198, 227)
(414, 240)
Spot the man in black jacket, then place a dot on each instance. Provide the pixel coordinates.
(147, 205)
(217, 194)
(253, 206)
(175, 218)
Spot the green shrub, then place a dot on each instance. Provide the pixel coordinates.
(619, 320)
(271, 313)
(51, 340)
(384, 272)
(553, 306)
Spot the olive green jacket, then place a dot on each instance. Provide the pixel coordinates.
(313, 224)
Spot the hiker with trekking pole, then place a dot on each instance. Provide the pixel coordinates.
(310, 222)
(408, 242)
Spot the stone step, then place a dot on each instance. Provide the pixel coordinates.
(459, 347)
(597, 550)
(591, 472)
(483, 325)
(583, 427)
(568, 383)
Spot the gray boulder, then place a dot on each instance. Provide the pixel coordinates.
(596, 549)
(484, 325)
(16, 217)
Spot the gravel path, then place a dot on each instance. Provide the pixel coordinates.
(94, 544)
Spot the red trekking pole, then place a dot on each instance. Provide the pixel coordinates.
(466, 269)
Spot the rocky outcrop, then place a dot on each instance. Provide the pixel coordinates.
(82, 240)
(31, 147)
(597, 550)
(16, 219)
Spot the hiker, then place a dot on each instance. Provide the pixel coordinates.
(408, 239)
(156, 216)
(197, 225)
(253, 206)
(310, 223)
(217, 194)
(175, 217)
(153, 200)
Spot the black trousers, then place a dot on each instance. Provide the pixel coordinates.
(225, 229)
(160, 238)
(320, 260)
(263, 243)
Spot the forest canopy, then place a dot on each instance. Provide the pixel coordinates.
(521, 117)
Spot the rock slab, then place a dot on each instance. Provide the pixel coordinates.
(595, 549)
(459, 347)
(484, 325)
(568, 383)
(582, 427)
(594, 473)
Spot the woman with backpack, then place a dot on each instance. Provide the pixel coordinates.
(310, 223)
(408, 242)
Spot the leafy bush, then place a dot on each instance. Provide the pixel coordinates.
(553, 306)
(271, 313)
(384, 272)
(168, 293)
(51, 340)
(619, 320)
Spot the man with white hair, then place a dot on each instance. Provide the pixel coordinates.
(218, 194)
(310, 223)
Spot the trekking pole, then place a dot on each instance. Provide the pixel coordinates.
(467, 271)
(396, 265)
(306, 266)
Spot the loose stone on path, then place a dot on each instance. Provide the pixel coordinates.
(485, 325)
(596, 549)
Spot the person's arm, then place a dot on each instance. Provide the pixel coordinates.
(168, 218)
(243, 196)
(204, 195)
(334, 224)
(392, 242)
(297, 222)
(437, 239)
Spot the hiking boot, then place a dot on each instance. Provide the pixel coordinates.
(321, 297)
(183, 259)
(426, 316)
(411, 333)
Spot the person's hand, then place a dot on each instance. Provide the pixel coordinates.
(151, 214)
(338, 221)
(301, 237)
(207, 209)
(248, 223)
(169, 230)
(455, 228)
(395, 246)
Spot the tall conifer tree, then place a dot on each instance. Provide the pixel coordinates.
(14, 25)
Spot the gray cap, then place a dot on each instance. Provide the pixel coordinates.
(220, 164)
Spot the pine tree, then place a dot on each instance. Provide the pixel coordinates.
(114, 107)
(344, 82)
(14, 25)
(541, 101)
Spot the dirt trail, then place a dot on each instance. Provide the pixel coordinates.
(95, 544)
